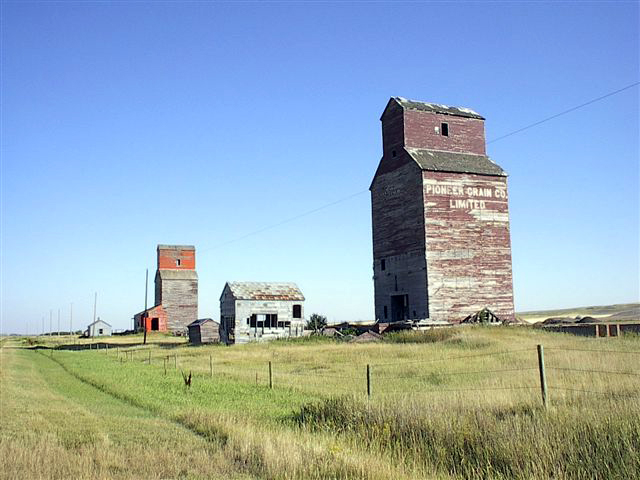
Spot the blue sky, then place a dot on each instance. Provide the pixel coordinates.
(125, 125)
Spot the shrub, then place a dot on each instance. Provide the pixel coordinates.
(317, 323)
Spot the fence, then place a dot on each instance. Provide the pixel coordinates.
(527, 366)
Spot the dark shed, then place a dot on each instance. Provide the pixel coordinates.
(204, 330)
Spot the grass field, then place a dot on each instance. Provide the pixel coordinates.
(461, 405)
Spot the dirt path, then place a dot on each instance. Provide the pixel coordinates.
(54, 426)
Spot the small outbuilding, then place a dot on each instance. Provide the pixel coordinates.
(258, 311)
(204, 330)
(99, 328)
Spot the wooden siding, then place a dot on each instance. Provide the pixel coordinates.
(468, 245)
(235, 318)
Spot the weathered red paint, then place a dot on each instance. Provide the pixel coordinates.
(439, 237)
(168, 258)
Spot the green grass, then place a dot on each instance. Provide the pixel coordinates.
(54, 426)
(428, 336)
(465, 404)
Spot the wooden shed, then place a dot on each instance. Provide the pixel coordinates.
(260, 311)
(204, 330)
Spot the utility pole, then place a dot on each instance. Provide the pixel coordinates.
(95, 301)
(144, 314)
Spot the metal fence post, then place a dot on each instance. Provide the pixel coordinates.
(543, 377)
(368, 381)
(270, 376)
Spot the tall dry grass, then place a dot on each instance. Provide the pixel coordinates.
(466, 405)
(597, 439)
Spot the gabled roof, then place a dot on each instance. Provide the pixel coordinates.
(150, 309)
(98, 321)
(436, 108)
(201, 321)
(265, 291)
(440, 161)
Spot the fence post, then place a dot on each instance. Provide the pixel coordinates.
(543, 378)
(149, 357)
(210, 366)
(106, 346)
(270, 376)
(368, 381)
(165, 365)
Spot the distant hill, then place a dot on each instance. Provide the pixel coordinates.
(607, 313)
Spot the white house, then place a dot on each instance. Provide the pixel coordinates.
(99, 328)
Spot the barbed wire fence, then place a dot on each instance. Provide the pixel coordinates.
(401, 378)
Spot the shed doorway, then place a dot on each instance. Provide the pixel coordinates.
(155, 324)
(399, 307)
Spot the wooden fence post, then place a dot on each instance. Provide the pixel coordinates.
(543, 378)
(368, 381)
(270, 376)
(210, 366)
(165, 365)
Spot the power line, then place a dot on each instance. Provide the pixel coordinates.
(572, 109)
(288, 220)
(348, 197)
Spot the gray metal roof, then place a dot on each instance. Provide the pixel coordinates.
(437, 108)
(176, 247)
(265, 291)
(439, 161)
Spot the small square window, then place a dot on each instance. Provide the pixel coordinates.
(444, 128)
(383, 264)
(177, 262)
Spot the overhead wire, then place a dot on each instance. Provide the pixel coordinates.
(348, 197)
